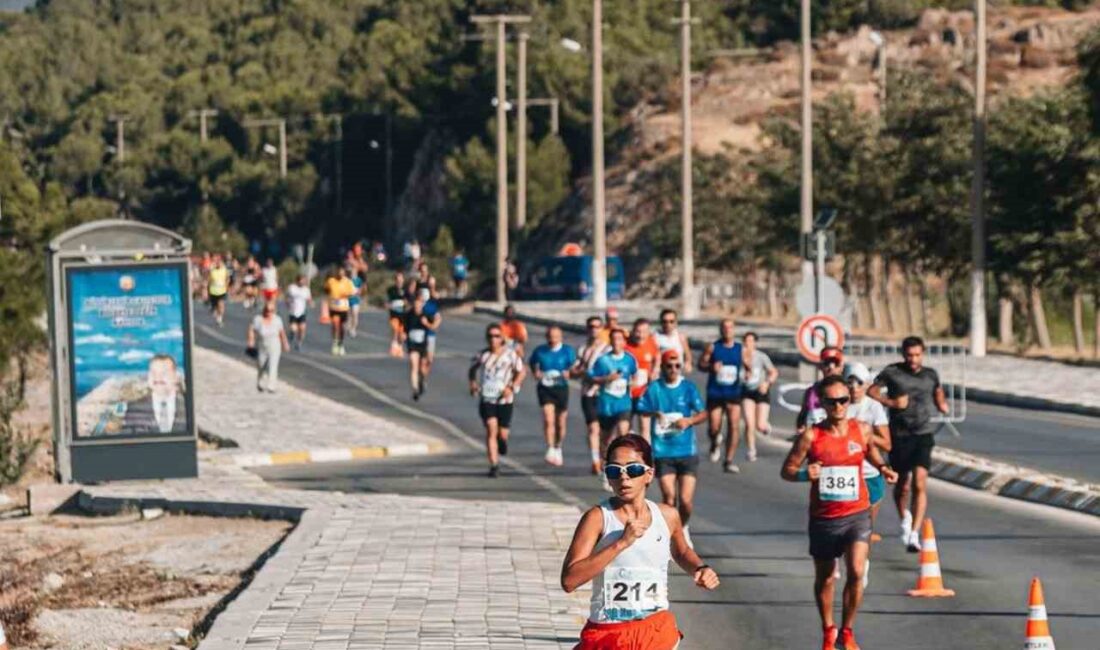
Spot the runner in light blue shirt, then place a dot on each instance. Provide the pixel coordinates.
(613, 373)
(551, 365)
(675, 406)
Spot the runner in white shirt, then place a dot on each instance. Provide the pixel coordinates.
(669, 337)
(593, 349)
(269, 281)
(623, 547)
(495, 377)
(298, 301)
(267, 336)
(867, 410)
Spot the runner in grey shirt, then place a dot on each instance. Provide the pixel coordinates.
(268, 337)
(914, 396)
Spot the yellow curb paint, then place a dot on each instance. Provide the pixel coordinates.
(436, 446)
(290, 457)
(360, 453)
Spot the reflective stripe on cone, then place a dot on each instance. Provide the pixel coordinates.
(930, 582)
(1038, 628)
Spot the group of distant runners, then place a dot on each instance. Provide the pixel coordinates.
(413, 306)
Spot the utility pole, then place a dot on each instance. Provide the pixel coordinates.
(281, 123)
(552, 102)
(120, 136)
(807, 205)
(977, 196)
(501, 21)
(690, 307)
(521, 134)
(202, 114)
(599, 219)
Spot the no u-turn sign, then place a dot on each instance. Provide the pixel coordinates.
(815, 333)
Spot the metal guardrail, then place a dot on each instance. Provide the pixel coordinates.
(948, 360)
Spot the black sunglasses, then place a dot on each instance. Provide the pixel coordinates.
(494, 336)
(672, 365)
(633, 470)
(835, 401)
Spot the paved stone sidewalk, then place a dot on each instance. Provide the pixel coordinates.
(365, 571)
(385, 571)
(1009, 376)
(288, 422)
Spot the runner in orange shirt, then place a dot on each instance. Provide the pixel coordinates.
(515, 332)
(643, 347)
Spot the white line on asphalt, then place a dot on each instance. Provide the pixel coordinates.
(448, 426)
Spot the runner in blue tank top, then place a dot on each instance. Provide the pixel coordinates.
(613, 373)
(722, 361)
(674, 406)
(551, 365)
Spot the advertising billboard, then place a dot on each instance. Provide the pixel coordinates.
(129, 342)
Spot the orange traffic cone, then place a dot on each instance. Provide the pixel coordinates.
(4, 639)
(930, 582)
(1038, 630)
(324, 318)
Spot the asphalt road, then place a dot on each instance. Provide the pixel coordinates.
(750, 527)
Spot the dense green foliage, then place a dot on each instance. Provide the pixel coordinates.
(73, 66)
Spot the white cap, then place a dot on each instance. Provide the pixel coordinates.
(857, 370)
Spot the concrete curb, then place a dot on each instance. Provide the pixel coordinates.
(791, 358)
(334, 454)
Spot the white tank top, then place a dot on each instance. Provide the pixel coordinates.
(670, 342)
(635, 584)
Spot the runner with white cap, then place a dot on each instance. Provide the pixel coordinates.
(866, 410)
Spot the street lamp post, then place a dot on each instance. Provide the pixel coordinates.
(521, 133)
(690, 307)
(202, 114)
(501, 21)
(281, 123)
(807, 185)
(599, 224)
(120, 136)
(977, 198)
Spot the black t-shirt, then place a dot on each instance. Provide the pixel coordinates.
(415, 329)
(395, 301)
(921, 388)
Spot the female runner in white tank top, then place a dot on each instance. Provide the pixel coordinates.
(669, 337)
(623, 547)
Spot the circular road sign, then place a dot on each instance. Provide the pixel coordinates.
(814, 333)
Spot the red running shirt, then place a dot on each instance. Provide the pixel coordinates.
(840, 491)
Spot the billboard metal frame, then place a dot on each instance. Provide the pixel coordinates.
(110, 244)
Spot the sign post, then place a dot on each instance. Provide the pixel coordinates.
(120, 331)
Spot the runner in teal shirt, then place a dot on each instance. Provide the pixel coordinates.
(675, 406)
(613, 373)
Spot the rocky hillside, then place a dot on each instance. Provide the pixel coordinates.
(736, 91)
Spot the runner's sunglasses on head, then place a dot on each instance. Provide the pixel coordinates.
(633, 470)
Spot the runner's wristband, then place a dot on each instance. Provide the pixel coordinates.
(803, 475)
(701, 567)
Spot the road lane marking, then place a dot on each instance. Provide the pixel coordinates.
(446, 425)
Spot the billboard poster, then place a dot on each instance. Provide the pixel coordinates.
(130, 359)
